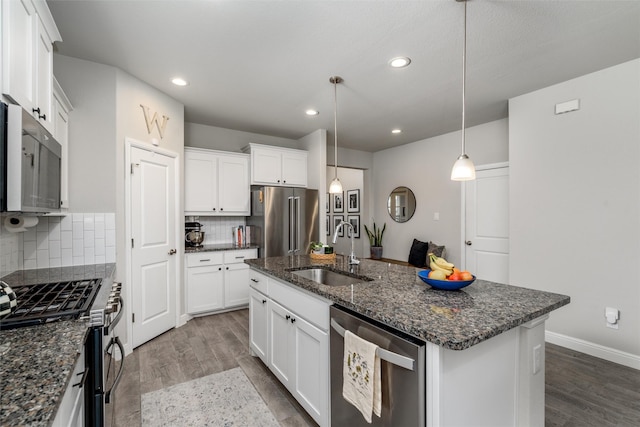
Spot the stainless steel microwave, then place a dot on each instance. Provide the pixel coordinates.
(30, 160)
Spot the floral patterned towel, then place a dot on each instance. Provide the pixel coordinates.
(361, 375)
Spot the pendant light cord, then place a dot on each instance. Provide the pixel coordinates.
(335, 124)
(464, 75)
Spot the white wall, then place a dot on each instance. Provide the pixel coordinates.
(575, 205)
(351, 179)
(425, 167)
(215, 138)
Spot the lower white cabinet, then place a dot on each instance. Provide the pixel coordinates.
(217, 280)
(295, 349)
(71, 410)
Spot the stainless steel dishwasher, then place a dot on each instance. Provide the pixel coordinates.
(402, 362)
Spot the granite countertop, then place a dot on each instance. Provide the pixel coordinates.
(218, 247)
(399, 298)
(37, 361)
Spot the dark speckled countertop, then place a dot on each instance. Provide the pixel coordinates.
(399, 298)
(37, 361)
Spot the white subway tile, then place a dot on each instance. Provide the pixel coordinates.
(30, 264)
(54, 229)
(100, 259)
(89, 238)
(99, 247)
(110, 254)
(67, 257)
(110, 238)
(78, 248)
(110, 221)
(88, 222)
(89, 256)
(78, 230)
(78, 217)
(66, 223)
(43, 258)
(30, 249)
(99, 229)
(29, 235)
(78, 260)
(43, 224)
(66, 239)
(55, 262)
(42, 240)
(54, 248)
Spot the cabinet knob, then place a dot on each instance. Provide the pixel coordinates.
(287, 317)
(293, 319)
(264, 301)
(214, 209)
(227, 268)
(254, 280)
(219, 268)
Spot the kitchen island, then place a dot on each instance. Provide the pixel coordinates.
(484, 343)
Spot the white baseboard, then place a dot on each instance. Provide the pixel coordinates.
(596, 350)
(184, 318)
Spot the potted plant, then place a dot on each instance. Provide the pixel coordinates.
(375, 240)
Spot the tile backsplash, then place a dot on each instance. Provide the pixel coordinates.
(74, 239)
(217, 230)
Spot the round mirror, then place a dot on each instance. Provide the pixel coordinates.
(401, 204)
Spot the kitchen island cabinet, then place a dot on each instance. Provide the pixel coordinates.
(484, 344)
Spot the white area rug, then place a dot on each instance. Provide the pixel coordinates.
(224, 399)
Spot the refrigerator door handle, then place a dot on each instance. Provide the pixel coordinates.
(297, 224)
(291, 225)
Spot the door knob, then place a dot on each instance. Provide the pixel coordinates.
(468, 243)
(172, 251)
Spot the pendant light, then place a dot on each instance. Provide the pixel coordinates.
(336, 185)
(463, 169)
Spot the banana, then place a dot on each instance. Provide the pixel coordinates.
(443, 263)
(436, 267)
(433, 264)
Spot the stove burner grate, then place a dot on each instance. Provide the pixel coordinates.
(48, 302)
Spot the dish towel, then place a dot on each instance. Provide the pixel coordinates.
(361, 385)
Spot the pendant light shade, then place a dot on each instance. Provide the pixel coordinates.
(463, 168)
(336, 185)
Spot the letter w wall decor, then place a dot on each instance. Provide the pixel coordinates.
(154, 120)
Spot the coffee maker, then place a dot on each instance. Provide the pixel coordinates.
(189, 227)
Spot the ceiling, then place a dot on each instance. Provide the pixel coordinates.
(256, 66)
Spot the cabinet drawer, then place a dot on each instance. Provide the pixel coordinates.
(231, 257)
(259, 282)
(204, 258)
(313, 309)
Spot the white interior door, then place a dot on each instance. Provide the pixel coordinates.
(487, 224)
(153, 252)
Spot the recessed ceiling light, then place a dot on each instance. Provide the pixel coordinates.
(312, 112)
(396, 131)
(179, 81)
(400, 62)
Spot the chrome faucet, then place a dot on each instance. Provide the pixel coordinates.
(352, 255)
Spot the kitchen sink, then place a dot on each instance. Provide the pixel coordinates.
(330, 277)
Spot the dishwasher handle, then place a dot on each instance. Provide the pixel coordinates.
(389, 356)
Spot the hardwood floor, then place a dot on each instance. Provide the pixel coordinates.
(580, 390)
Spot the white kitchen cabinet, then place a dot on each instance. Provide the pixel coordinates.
(295, 348)
(28, 33)
(216, 183)
(258, 319)
(61, 109)
(217, 280)
(277, 166)
(71, 410)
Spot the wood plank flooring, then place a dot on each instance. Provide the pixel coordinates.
(580, 390)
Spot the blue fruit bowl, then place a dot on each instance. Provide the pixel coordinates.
(445, 285)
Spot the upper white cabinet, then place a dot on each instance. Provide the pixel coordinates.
(277, 166)
(60, 114)
(28, 33)
(216, 183)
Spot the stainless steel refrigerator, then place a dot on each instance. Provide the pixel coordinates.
(284, 220)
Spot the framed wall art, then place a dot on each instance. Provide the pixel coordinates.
(327, 225)
(354, 220)
(336, 222)
(338, 202)
(353, 201)
(328, 203)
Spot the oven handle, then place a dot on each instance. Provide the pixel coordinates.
(116, 341)
(113, 324)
